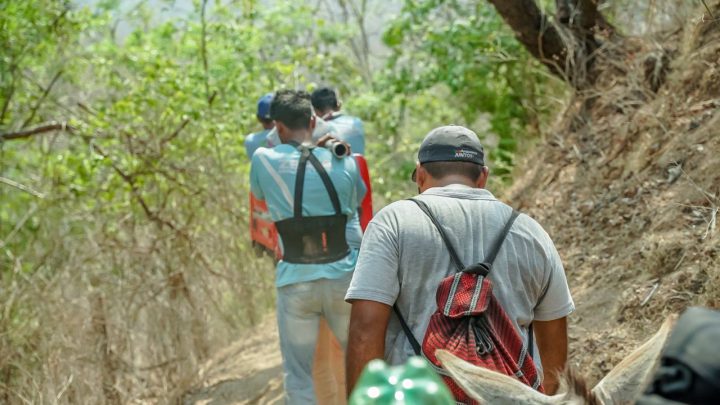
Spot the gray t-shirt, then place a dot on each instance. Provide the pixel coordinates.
(401, 247)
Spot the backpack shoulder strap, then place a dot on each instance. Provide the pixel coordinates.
(453, 254)
(458, 264)
(500, 239)
(453, 257)
(413, 342)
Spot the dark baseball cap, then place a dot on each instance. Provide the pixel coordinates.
(451, 143)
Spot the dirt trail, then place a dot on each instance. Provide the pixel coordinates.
(247, 372)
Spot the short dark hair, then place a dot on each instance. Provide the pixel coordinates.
(325, 98)
(292, 108)
(438, 170)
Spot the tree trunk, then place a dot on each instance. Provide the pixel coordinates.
(569, 57)
(106, 357)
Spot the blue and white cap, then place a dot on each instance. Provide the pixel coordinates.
(263, 106)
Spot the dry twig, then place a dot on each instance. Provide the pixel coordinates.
(53, 126)
(21, 187)
(42, 98)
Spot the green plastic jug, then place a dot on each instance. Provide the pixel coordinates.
(415, 382)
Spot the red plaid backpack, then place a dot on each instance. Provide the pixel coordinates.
(470, 323)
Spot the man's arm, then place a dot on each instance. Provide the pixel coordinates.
(366, 341)
(552, 342)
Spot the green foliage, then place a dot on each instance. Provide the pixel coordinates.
(139, 212)
(465, 48)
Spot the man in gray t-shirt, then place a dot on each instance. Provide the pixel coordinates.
(403, 259)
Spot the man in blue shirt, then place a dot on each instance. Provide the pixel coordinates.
(312, 196)
(347, 128)
(259, 139)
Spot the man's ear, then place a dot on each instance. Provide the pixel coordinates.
(483, 177)
(313, 122)
(281, 129)
(420, 176)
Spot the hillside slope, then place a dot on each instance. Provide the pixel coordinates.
(628, 186)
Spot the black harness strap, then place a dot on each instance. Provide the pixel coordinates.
(482, 267)
(327, 182)
(313, 239)
(305, 155)
(300, 182)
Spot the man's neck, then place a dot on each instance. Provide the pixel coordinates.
(328, 113)
(451, 179)
(298, 136)
(446, 181)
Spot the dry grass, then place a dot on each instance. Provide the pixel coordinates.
(106, 305)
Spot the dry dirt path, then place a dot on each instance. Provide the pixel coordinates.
(247, 372)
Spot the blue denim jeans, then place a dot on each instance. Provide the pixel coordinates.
(299, 308)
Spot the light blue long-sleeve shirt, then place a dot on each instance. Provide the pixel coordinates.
(272, 178)
(256, 140)
(349, 129)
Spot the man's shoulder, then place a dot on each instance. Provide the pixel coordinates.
(399, 206)
(395, 212)
(526, 227)
(270, 155)
(350, 120)
(526, 220)
(250, 138)
(261, 151)
(356, 120)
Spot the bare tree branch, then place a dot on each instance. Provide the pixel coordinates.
(154, 216)
(42, 98)
(18, 226)
(203, 49)
(535, 32)
(55, 126)
(569, 53)
(8, 97)
(177, 131)
(21, 187)
(361, 50)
